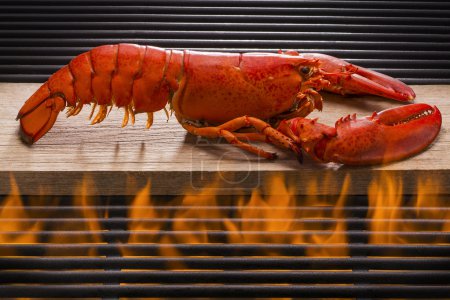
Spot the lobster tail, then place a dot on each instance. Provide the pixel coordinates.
(39, 114)
(40, 111)
(137, 78)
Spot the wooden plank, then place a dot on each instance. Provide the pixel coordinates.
(119, 160)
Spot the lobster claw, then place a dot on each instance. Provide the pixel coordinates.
(390, 135)
(346, 78)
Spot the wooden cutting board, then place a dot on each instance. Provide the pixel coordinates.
(120, 161)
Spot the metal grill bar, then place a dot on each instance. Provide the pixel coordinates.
(422, 291)
(203, 26)
(319, 222)
(419, 237)
(360, 54)
(225, 43)
(423, 20)
(255, 3)
(396, 250)
(223, 35)
(228, 263)
(226, 277)
(196, 10)
(224, 208)
(59, 61)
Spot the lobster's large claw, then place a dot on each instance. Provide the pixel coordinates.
(390, 135)
(346, 78)
(39, 113)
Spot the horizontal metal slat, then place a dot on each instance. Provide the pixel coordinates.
(225, 277)
(237, 3)
(225, 263)
(389, 64)
(224, 208)
(225, 35)
(424, 20)
(283, 27)
(122, 221)
(35, 59)
(220, 249)
(219, 235)
(35, 51)
(418, 72)
(162, 10)
(367, 290)
(220, 43)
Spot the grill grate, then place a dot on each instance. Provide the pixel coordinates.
(405, 39)
(115, 248)
(100, 250)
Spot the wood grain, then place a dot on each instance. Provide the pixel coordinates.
(119, 161)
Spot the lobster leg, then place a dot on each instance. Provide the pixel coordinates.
(226, 130)
(390, 135)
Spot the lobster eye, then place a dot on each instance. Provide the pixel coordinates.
(305, 70)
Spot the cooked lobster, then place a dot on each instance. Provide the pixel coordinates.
(216, 94)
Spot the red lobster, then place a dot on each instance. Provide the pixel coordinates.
(216, 94)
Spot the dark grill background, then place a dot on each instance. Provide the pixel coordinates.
(409, 40)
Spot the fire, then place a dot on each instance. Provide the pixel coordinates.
(199, 215)
(429, 194)
(142, 209)
(15, 218)
(330, 209)
(23, 221)
(180, 229)
(392, 215)
(269, 216)
(83, 210)
(385, 199)
(273, 214)
(276, 219)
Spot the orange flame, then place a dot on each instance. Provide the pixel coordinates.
(392, 215)
(142, 209)
(198, 215)
(272, 215)
(15, 218)
(329, 209)
(83, 210)
(21, 223)
(275, 219)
